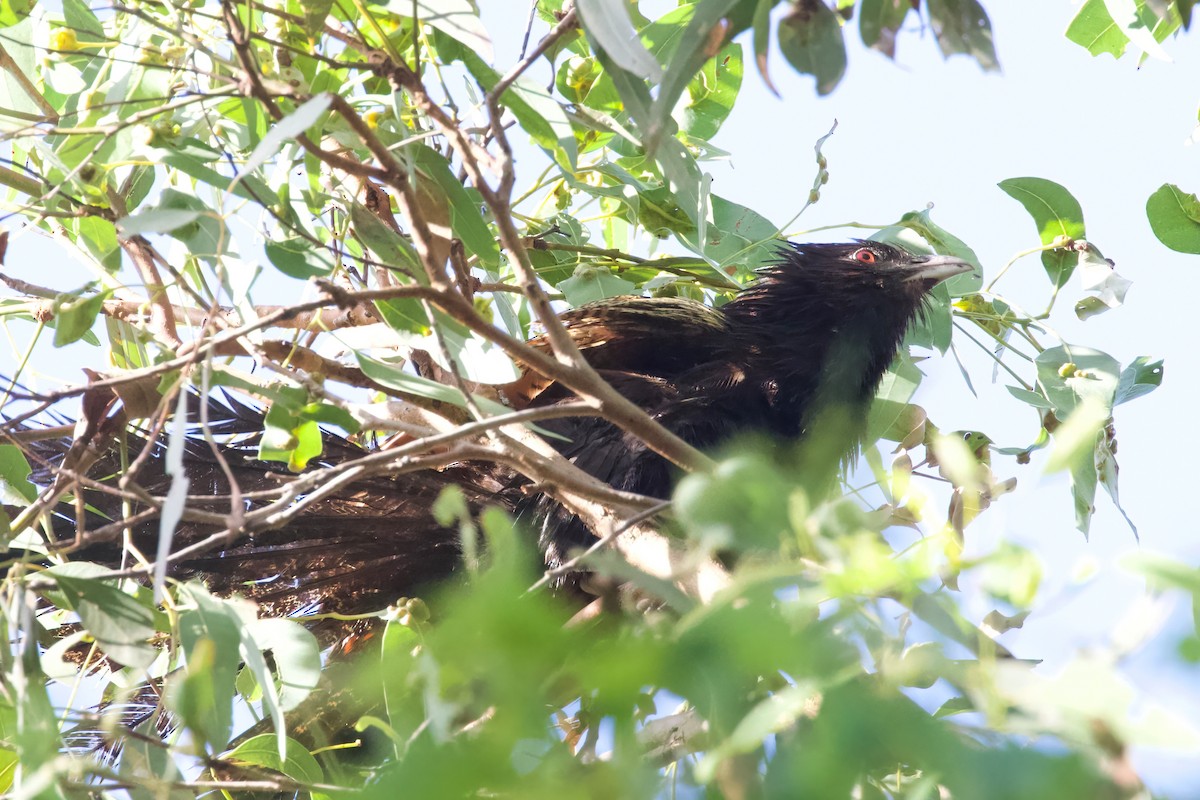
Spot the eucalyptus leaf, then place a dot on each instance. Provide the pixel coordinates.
(457, 19)
(287, 129)
(120, 623)
(262, 751)
(963, 27)
(1093, 28)
(608, 23)
(810, 38)
(1058, 216)
(1175, 218)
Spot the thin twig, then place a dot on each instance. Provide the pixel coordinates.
(565, 25)
(569, 566)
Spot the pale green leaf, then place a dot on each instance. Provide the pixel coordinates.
(1175, 218)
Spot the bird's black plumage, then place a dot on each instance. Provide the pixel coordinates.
(807, 342)
(801, 349)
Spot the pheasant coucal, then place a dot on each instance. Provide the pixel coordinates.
(796, 356)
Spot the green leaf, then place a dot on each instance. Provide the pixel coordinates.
(315, 12)
(1107, 472)
(955, 705)
(261, 751)
(397, 650)
(120, 623)
(1057, 214)
(632, 90)
(465, 217)
(289, 437)
(683, 53)
(543, 118)
(962, 27)
(389, 247)
(945, 243)
(186, 218)
(661, 215)
(296, 656)
(779, 711)
(1140, 377)
(299, 258)
(202, 696)
(1175, 218)
(328, 414)
(1139, 23)
(1164, 572)
(609, 25)
(890, 405)
(740, 237)
(286, 130)
(590, 284)
(219, 636)
(458, 19)
(80, 18)
(761, 22)
(713, 92)
(879, 21)
(15, 487)
(738, 506)
(30, 722)
(404, 314)
(810, 38)
(1077, 446)
(1070, 374)
(145, 763)
(8, 758)
(1030, 398)
(74, 316)
(99, 236)
(394, 377)
(1012, 575)
(1184, 7)
(246, 186)
(1093, 29)
(24, 47)
(157, 220)
(13, 12)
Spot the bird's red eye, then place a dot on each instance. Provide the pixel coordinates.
(865, 255)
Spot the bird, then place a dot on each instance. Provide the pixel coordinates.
(795, 356)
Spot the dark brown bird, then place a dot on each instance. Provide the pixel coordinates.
(796, 356)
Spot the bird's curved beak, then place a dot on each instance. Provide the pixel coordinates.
(935, 268)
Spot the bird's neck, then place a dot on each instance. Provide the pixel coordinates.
(814, 351)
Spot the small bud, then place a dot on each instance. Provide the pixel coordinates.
(64, 40)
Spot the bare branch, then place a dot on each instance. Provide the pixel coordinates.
(564, 26)
(162, 316)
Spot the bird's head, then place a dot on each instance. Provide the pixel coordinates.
(832, 283)
(865, 268)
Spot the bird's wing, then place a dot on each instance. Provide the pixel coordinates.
(640, 336)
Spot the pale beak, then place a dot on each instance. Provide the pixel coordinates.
(935, 269)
